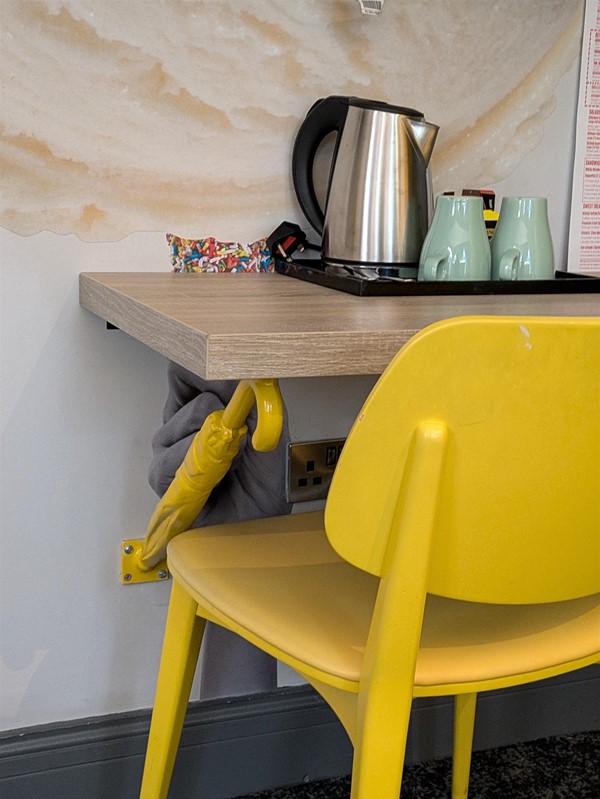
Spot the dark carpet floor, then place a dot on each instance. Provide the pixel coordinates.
(566, 767)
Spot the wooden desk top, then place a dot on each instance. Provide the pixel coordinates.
(234, 326)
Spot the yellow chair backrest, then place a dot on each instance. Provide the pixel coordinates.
(516, 516)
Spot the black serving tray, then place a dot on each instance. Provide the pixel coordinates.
(314, 271)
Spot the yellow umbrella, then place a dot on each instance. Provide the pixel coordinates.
(206, 462)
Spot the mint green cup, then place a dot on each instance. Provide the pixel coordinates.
(456, 246)
(522, 243)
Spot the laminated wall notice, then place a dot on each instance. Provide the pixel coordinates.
(584, 237)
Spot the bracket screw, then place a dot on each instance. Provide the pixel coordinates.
(128, 577)
(163, 574)
(128, 549)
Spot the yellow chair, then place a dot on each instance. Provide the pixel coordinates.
(459, 550)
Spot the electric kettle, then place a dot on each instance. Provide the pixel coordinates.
(378, 198)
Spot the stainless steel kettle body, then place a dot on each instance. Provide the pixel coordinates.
(377, 204)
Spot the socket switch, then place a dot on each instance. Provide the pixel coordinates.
(310, 467)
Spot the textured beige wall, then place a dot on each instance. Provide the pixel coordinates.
(156, 115)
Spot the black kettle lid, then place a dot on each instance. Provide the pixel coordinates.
(379, 105)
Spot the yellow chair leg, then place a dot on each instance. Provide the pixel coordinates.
(183, 636)
(380, 748)
(464, 724)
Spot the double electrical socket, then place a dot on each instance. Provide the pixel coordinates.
(310, 467)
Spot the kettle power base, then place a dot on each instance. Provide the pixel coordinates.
(344, 278)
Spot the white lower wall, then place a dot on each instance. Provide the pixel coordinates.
(79, 404)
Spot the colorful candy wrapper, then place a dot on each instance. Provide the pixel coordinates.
(210, 255)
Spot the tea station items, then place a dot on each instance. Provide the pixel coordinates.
(457, 248)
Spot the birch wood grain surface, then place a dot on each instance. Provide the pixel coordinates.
(234, 326)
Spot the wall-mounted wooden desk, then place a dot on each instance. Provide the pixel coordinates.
(234, 326)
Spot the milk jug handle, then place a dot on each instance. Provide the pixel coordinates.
(325, 116)
(508, 266)
(432, 264)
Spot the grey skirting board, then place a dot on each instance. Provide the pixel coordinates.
(249, 744)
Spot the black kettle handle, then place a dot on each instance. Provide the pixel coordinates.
(325, 116)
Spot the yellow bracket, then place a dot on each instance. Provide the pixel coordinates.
(131, 571)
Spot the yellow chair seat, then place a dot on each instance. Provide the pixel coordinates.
(277, 575)
(265, 572)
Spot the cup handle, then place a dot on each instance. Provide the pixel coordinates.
(507, 270)
(432, 265)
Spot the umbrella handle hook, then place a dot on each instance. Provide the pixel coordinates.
(269, 403)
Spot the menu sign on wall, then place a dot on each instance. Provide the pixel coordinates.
(584, 237)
